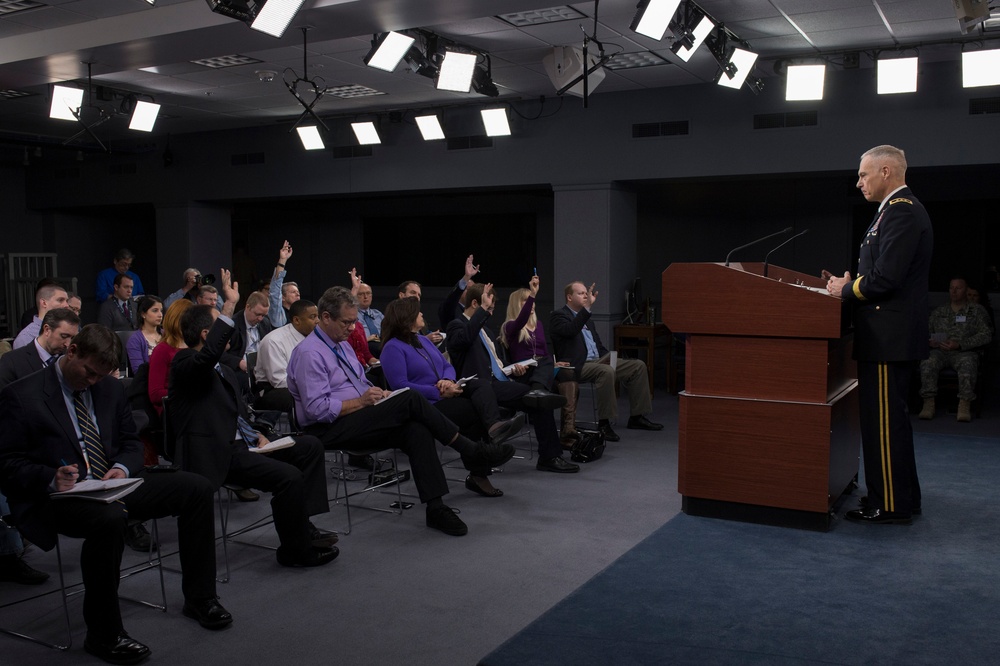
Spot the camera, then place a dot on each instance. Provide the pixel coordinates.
(200, 280)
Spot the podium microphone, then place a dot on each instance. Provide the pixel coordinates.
(759, 240)
(783, 244)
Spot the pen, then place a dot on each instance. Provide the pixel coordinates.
(536, 270)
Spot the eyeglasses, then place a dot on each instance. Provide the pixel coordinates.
(347, 323)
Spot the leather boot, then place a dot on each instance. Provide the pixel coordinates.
(567, 432)
(927, 413)
(964, 411)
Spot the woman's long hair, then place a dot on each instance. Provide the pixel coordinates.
(145, 303)
(400, 316)
(172, 334)
(514, 305)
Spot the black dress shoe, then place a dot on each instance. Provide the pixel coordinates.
(245, 495)
(444, 518)
(361, 462)
(322, 538)
(311, 557)
(13, 569)
(557, 464)
(138, 539)
(479, 490)
(879, 517)
(642, 423)
(609, 434)
(487, 455)
(501, 431)
(122, 650)
(209, 613)
(864, 505)
(539, 399)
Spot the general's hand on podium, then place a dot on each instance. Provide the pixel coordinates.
(835, 285)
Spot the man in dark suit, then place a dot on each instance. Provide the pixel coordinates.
(207, 411)
(890, 307)
(473, 352)
(118, 312)
(250, 326)
(576, 340)
(58, 328)
(71, 421)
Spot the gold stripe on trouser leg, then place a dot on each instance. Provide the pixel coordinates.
(884, 435)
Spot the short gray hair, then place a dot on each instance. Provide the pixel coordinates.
(887, 153)
(334, 299)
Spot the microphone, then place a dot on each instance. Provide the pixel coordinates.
(783, 244)
(759, 240)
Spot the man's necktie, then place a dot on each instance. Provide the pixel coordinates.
(91, 440)
(50, 360)
(125, 312)
(369, 322)
(494, 363)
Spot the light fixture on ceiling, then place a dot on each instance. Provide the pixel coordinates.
(736, 68)
(310, 137)
(366, 133)
(495, 122)
(971, 13)
(430, 127)
(897, 75)
(387, 50)
(144, 116)
(565, 67)
(268, 16)
(310, 85)
(685, 47)
(66, 102)
(653, 17)
(482, 80)
(804, 82)
(980, 68)
(152, 2)
(456, 71)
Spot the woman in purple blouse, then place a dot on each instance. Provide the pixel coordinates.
(140, 345)
(412, 361)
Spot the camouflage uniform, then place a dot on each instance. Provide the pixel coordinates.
(970, 328)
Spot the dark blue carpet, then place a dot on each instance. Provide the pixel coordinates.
(705, 591)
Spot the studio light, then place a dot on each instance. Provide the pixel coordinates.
(804, 82)
(653, 17)
(482, 80)
(310, 137)
(144, 116)
(897, 75)
(387, 50)
(268, 16)
(698, 35)
(366, 133)
(420, 63)
(430, 127)
(65, 101)
(737, 68)
(456, 71)
(495, 121)
(980, 68)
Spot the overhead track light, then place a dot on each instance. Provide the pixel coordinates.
(144, 116)
(366, 133)
(495, 122)
(430, 127)
(653, 17)
(736, 68)
(897, 75)
(387, 50)
(980, 68)
(482, 80)
(696, 37)
(268, 16)
(66, 102)
(310, 137)
(456, 71)
(804, 82)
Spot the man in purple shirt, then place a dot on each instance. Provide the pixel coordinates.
(335, 402)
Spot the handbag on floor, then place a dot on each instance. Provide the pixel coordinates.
(589, 447)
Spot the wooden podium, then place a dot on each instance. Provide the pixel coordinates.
(768, 419)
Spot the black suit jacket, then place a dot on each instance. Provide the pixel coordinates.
(465, 348)
(238, 341)
(109, 315)
(37, 435)
(19, 363)
(203, 407)
(567, 336)
(890, 293)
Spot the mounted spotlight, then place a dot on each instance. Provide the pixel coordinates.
(685, 47)
(387, 50)
(804, 82)
(310, 137)
(495, 122)
(456, 71)
(366, 133)
(980, 68)
(420, 63)
(66, 102)
(737, 68)
(653, 16)
(430, 127)
(897, 75)
(482, 80)
(268, 16)
(564, 65)
(144, 116)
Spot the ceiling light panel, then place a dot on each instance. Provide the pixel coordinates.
(538, 16)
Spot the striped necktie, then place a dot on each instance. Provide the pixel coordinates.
(91, 439)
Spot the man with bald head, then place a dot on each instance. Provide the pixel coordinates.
(890, 307)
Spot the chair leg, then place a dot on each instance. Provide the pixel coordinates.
(154, 559)
(224, 524)
(65, 603)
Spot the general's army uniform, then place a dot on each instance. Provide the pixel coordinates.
(970, 328)
(889, 298)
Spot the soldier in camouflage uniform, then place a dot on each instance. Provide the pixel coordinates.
(957, 331)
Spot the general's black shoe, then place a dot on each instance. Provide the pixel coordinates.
(209, 613)
(879, 517)
(539, 399)
(14, 569)
(487, 455)
(122, 650)
(501, 431)
(557, 464)
(609, 434)
(642, 423)
(864, 505)
(138, 539)
(445, 519)
(311, 557)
